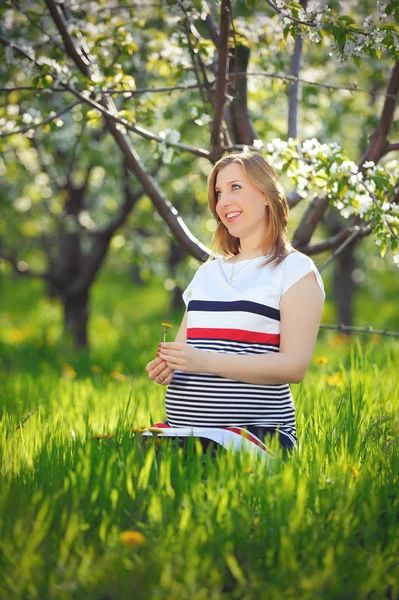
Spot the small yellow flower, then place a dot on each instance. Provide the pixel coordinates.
(118, 376)
(132, 538)
(102, 436)
(16, 335)
(166, 326)
(354, 471)
(340, 339)
(335, 379)
(96, 369)
(68, 371)
(321, 360)
(138, 429)
(248, 470)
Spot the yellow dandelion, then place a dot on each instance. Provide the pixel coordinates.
(132, 538)
(102, 436)
(340, 339)
(138, 429)
(321, 360)
(335, 379)
(96, 369)
(166, 326)
(355, 472)
(248, 470)
(68, 371)
(118, 376)
(16, 335)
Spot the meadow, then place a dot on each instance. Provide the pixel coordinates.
(88, 511)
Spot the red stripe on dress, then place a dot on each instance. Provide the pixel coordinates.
(239, 335)
(246, 434)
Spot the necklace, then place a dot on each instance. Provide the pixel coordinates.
(232, 271)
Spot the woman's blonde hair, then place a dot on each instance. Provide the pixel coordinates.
(263, 176)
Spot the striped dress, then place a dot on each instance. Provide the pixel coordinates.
(241, 317)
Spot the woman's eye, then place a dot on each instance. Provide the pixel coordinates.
(236, 185)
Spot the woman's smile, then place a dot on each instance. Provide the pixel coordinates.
(232, 216)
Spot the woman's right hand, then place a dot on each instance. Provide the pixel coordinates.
(158, 369)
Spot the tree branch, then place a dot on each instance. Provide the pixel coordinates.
(316, 210)
(293, 96)
(133, 162)
(167, 211)
(45, 122)
(21, 267)
(225, 12)
(368, 329)
(212, 28)
(187, 27)
(334, 241)
(76, 54)
(378, 142)
(243, 130)
(390, 147)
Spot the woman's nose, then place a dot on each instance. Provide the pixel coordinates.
(224, 199)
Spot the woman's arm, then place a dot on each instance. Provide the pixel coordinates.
(300, 313)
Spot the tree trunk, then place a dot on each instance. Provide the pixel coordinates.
(76, 314)
(176, 257)
(344, 286)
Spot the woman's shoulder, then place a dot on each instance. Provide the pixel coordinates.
(295, 266)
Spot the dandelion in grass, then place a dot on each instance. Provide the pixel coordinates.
(96, 369)
(354, 471)
(340, 339)
(16, 335)
(132, 538)
(118, 376)
(321, 360)
(166, 327)
(138, 429)
(68, 371)
(102, 436)
(335, 379)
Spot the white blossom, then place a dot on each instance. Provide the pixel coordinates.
(368, 21)
(257, 144)
(365, 203)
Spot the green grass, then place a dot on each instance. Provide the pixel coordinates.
(322, 524)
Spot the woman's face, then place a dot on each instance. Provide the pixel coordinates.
(236, 194)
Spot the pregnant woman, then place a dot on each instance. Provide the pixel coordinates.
(252, 317)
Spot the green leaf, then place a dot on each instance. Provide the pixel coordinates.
(346, 19)
(342, 187)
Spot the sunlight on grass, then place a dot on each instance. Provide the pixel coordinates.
(89, 508)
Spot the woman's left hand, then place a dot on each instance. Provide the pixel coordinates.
(183, 357)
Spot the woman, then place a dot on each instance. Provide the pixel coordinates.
(251, 322)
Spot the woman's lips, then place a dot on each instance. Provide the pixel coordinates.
(233, 218)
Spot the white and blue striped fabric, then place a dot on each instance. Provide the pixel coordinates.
(238, 318)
